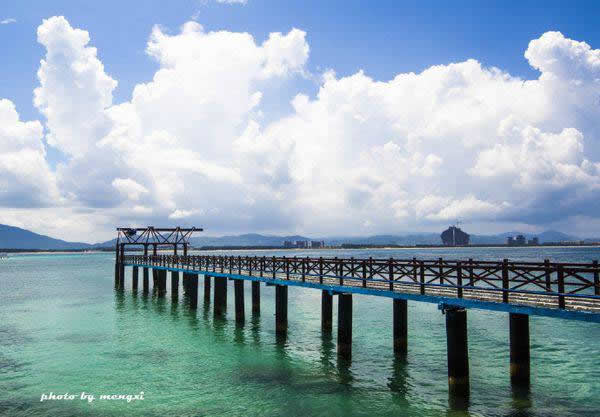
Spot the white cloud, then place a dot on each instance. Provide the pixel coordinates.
(182, 214)
(232, 1)
(454, 141)
(129, 187)
(25, 177)
(74, 90)
(8, 21)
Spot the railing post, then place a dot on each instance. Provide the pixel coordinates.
(415, 271)
(471, 275)
(561, 287)
(391, 273)
(548, 275)
(287, 268)
(441, 270)
(320, 269)
(303, 270)
(596, 279)
(459, 283)
(422, 277)
(505, 281)
(273, 268)
(364, 273)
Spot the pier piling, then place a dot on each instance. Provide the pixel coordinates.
(344, 345)
(162, 282)
(326, 311)
(400, 327)
(174, 284)
(145, 284)
(458, 352)
(239, 301)
(190, 289)
(519, 349)
(255, 297)
(207, 289)
(281, 309)
(134, 281)
(220, 295)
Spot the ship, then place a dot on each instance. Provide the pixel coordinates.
(453, 236)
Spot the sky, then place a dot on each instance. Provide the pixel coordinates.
(319, 118)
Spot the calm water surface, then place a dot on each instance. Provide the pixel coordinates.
(64, 329)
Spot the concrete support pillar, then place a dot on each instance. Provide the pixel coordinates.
(116, 274)
(154, 279)
(344, 339)
(281, 309)
(207, 289)
(193, 290)
(400, 327)
(175, 284)
(121, 276)
(220, 303)
(326, 311)
(256, 297)
(239, 301)
(134, 273)
(519, 349)
(146, 285)
(162, 282)
(458, 352)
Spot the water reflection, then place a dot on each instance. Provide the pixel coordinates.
(398, 382)
(327, 353)
(255, 329)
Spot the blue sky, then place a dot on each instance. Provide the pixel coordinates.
(383, 39)
(317, 130)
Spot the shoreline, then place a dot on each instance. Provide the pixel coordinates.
(8, 252)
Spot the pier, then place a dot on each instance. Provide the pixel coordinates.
(568, 291)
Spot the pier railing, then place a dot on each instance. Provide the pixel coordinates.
(545, 283)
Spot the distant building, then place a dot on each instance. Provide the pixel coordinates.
(288, 244)
(316, 244)
(510, 241)
(302, 244)
(520, 240)
(533, 241)
(454, 236)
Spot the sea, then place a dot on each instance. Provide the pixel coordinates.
(70, 345)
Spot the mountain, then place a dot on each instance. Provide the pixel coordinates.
(250, 239)
(16, 238)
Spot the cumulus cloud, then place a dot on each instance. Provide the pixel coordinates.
(25, 177)
(129, 187)
(455, 141)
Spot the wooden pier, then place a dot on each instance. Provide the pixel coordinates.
(562, 290)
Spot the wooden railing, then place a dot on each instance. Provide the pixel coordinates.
(562, 281)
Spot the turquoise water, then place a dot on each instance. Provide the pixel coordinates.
(63, 329)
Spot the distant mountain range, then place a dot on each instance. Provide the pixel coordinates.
(17, 238)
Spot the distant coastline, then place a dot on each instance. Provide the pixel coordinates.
(339, 247)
